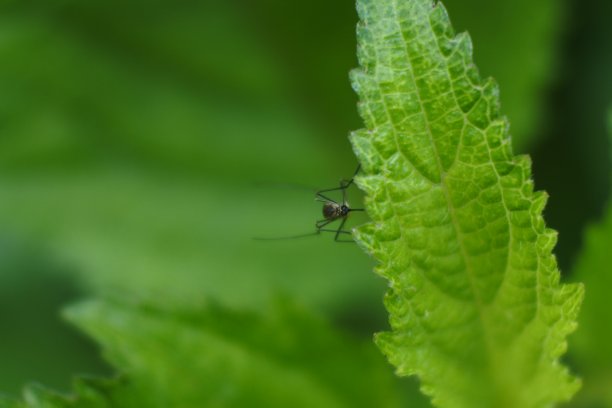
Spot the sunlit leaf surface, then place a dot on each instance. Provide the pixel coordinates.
(476, 308)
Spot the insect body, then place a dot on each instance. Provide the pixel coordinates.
(333, 211)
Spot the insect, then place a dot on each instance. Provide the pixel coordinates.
(332, 211)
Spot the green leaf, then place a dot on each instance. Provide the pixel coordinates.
(476, 308)
(203, 355)
(36, 343)
(592, 344)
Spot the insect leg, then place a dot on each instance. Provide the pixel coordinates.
(320, 196)
(340, 230)
(348, 183)
(320, 224)
(335, 231)
(344, 184)
(342, 187)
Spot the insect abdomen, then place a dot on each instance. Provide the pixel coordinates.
(331, 210)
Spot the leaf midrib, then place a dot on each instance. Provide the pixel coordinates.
(469, 269)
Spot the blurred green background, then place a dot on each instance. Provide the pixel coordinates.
(143, 145)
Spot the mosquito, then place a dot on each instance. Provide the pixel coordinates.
(332, 211)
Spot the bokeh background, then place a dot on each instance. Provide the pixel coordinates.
(144, 144)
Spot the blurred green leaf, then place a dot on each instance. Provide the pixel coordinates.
(476, 308)
(144, 108)
(87, 393)
(132, 137)
(35, 343)
(592, 343)
(137, 232)
(204, 355)
(576, 150)
(133, 154)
